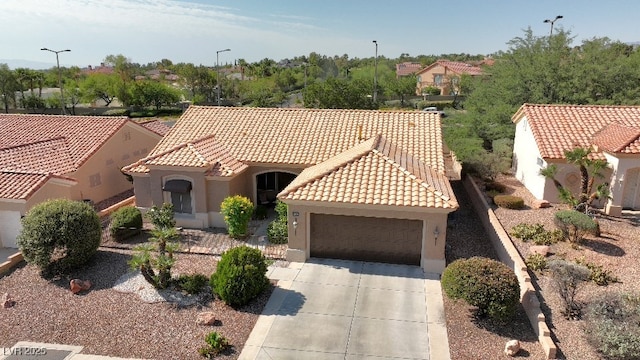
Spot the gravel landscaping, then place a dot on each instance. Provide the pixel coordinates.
(109, 322)
(617, 250)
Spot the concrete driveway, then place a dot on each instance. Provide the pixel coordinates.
(338, 309)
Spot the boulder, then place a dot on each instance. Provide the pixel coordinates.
(512, 347)
(540, 249)
(540, 204)
(7, 301)
(207, 318)
(77, 285)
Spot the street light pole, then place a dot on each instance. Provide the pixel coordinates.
(552, 22)
(62, 104)
(218, 71)
(375, 75)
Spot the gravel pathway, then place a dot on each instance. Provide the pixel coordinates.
(469, 337)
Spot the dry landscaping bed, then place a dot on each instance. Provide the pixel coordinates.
(617, 250)
(108, 322)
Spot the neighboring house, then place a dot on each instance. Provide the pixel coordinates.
(407, 68)
(445, 75)
(545, 132)
(359, 184)
(157, 126)
(73, 157)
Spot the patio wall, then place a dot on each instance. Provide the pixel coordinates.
(509, 255)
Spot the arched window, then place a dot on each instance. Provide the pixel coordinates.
(180, 195)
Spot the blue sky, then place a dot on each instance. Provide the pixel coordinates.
(192, 30)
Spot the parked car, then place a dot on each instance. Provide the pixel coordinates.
(433, 109)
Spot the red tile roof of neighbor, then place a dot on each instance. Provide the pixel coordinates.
(559, 128)
(228, 139)
(407, 68)
(36, 148)
(156, 126)
(456, 67)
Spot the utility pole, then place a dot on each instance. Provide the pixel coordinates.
(375, 75)
(62, 105)
(218, 71)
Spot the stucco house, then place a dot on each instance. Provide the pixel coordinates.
(54, 156)
(545, 132)
(445, 75)
(359, 184)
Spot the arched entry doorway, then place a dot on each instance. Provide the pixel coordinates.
(269, 184)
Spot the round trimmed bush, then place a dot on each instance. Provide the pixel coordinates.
(509, 202)
(237, 211)
(60, 234)
(574, 224)
(488, 284)
(240, 276)
(125, 223)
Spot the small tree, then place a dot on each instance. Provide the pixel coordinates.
(568, 278)
(590, 169)
(60, 234)
(237, 211)
(145, 260)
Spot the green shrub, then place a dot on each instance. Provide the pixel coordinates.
(192, 284)
(493, 193)
(568, 278)
(216, 344)
(536, 262)
(548, 237)
(162, 217)
(509, 202)
(495, 186)
(116, 112)
(598, 274)
(281, 209)
(240, 276)
(526, 232)
(261, 212)
(237, 211)
(613, 326)
(125, 223)
(574, 224)
(278, 231)
(485, 283)
(58, 235)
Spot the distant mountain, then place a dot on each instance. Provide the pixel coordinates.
(21, 63)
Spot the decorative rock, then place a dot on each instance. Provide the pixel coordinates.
(541, 204)
(7, 301)
(512, 347)
(540, 249)
(206, 318)
(77, 285)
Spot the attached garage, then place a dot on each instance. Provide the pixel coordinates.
(366, 238)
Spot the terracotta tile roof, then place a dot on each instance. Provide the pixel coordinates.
(617, 138)
(84, 135)
(558, 128)
(156, 126)
(374, 172)
(20, 185)
(407, 68)
(205, 152)
(301, 137)
(456, 67)
(45, 156)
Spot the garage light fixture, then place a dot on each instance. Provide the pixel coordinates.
(295, 225)
(435, 234)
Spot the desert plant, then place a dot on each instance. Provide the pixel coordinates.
(614, 325)
(216, 344)
(488, 284)
(192, 284)
(597, 273)
(536, 262)
(240, 276)
(495, 186)
(568, 278)
(155, 258)
(548, 237)
(237, 211)
(574, 224)
(526, 232)
(509, 202)
(125, 222)
(58, 235)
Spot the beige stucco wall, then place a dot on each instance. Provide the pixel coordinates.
(427, 79)
(619, 184)
(432, 257)
(126, 146)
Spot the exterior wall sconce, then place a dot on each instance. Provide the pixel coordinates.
(436, 232)
(295, 225)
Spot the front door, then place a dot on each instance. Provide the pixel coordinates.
(632, 189)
